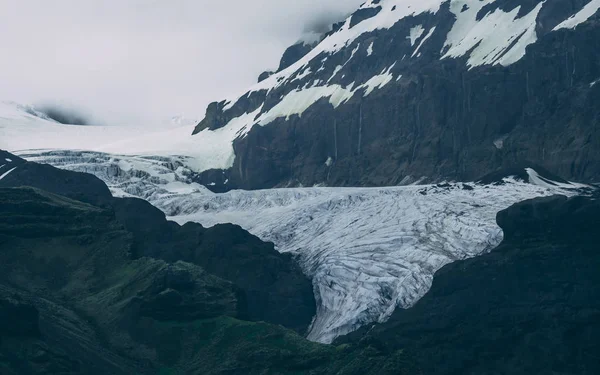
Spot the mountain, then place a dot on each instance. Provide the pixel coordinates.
(397, 94)
(77, 297)
(400, 182)
(403, 91)
(367, 251)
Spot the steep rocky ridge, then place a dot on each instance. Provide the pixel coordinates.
(442, 89)
(271, 285)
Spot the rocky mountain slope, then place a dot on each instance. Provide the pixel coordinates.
(366, 250)
(77, 297)
(271, 285)
(531, 306)
(402, 89)
(74, 301)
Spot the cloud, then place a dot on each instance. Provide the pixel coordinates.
(322, 22)
(64, 115)
(132, 61)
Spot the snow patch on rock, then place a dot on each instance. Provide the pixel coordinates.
(415, 33)
(370, 49)
(429, 34)
(498, 38)
(7, 173)
(580, 17)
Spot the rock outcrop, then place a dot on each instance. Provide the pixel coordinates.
(529, 307)
(271, 284)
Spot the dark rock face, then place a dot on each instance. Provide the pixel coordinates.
(78, 297)
(271, 287)
(22, 346)
(363, 14)
(79, 186)
(179, 293)
(529, 307)
(18, 319)
(293, 54)
(274, 286)
(264, 75)
(271, 284)
(440, 119)
(71, 262)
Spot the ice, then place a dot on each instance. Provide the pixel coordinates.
(367, 250)
(210, 150)
(146, 177)
(305, 73)
(536, 179)
(392, 11)
(298, 101)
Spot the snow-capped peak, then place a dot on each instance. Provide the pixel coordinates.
(480, 33)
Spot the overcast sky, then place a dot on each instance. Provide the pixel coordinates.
(131, 61)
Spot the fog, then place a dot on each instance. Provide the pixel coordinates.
(138, 61)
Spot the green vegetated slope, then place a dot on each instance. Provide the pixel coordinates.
(78, 295)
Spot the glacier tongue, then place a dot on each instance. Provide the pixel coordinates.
(367, 250)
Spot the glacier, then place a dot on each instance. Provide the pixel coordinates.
(367, 251)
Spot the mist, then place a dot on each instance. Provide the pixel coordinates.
(145, 61)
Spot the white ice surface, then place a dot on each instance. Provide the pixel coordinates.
(538, 180)
(367, 251)
(212, 150)
(146, 177)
